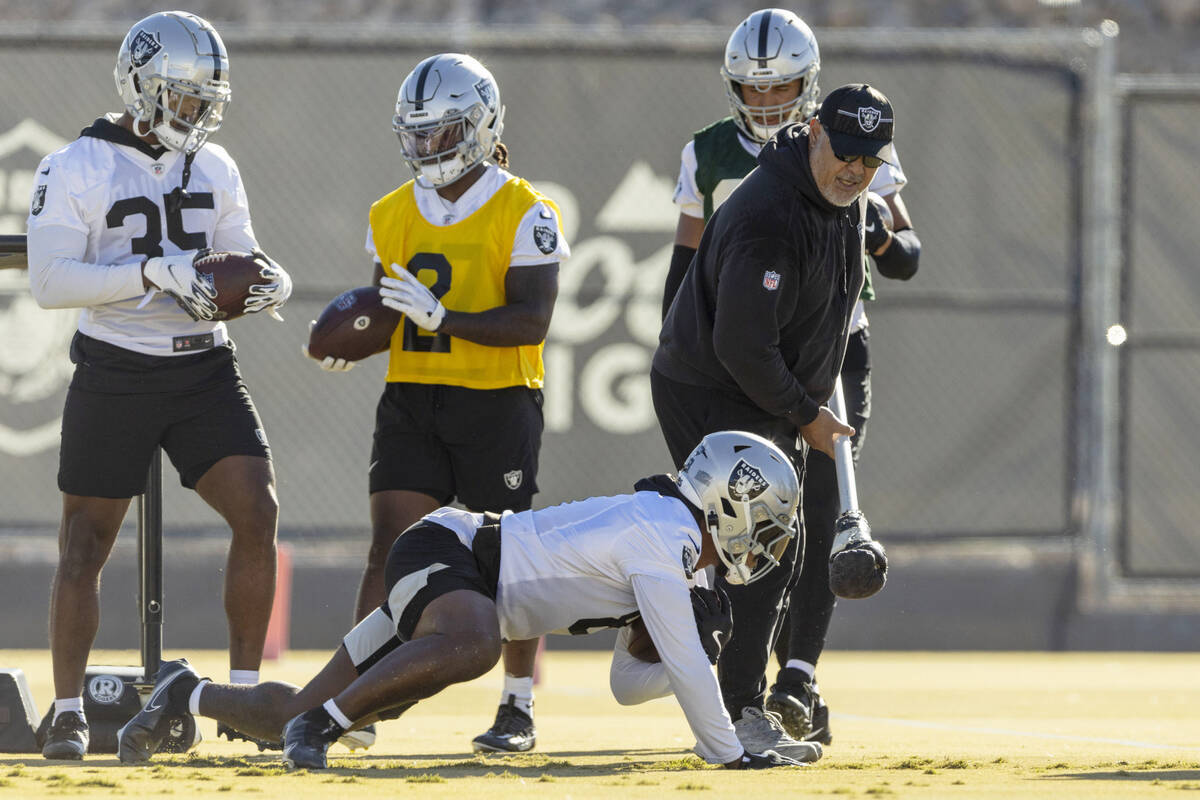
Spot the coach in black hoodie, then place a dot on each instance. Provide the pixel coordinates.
(755, 336)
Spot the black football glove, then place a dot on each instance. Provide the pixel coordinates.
(766, 760)
(858, 563)
(714, 619)
(879, 222)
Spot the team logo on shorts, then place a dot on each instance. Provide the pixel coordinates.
(39, 200)
(545, 238)
(262, 436)
(513, 479)
(143, 48)
(106, 689)
(746, 481)
(771, 280)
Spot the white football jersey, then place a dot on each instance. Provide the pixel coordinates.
(599, 563)
(113, 190)
(439, 211)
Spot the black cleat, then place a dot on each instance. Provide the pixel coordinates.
(67, 737)
(234, 735)
(820, 722)
(798, 702)
(512, 732)
(165, 710)
(306, 739)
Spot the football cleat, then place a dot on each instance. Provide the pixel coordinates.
(512, 732)
(359, 739)
(760, 731)
(142, 736)
(306, 739)
(234, 735)
(67, 737)
(799, 704)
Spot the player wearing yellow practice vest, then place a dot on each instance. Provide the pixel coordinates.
(469, 253)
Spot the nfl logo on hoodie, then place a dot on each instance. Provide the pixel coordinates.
(770, 280)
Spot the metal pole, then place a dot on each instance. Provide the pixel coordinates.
(150, 568)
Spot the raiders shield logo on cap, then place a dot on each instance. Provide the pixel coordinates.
(868, 118)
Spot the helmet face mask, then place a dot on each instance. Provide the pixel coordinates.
(771, 48)
(748, 493)
(172, 73)
(448, 118)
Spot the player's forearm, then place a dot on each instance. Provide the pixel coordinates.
(900, 259)
(505, 326)
(59, 279)
(633, 681)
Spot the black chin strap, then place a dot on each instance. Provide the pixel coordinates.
(179, 193)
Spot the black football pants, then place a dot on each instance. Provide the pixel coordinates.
(806, 622)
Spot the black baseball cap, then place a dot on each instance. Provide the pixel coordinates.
(859, 121)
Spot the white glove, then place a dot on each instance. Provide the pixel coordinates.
(271, 295)
(328, 363)
(176, 276)
(410, 297)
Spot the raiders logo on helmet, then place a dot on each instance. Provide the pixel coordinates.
(746, 481)
(142, 48)
(486, 93)
(545, 238)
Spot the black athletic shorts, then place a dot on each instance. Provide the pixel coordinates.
(121, 404)
(477, 445)
(428, 561)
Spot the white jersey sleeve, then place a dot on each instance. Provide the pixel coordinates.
(60, 274)
(666, 608)
(632, 680)
(539, 238)
(687, 194)
(889, 178)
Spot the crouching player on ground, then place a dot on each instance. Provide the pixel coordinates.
(460, 583)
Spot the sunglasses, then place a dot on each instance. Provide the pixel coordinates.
(870, 162)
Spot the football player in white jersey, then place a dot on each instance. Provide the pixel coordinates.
(459, 584)
(117, 218)
(770, 74)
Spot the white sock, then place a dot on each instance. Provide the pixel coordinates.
(335, 712)
(521, 690)
(65, 704)
(805, 667)
(194, 698)
(243, 676)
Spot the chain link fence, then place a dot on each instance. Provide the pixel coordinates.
(974, 359)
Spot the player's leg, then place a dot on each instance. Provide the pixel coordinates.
(217, 442)
(437, 627)
(795, 695)
(108, 438)
(242, 490)
(86, 536)
(409, 476)
(494, 438)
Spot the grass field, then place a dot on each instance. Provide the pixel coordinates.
(906, 725)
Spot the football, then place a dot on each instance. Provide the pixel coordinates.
(232, 275)
(354, 325)
(641, 646)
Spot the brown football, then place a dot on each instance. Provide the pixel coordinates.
(354, 325)
(641, 646)
(232, 274)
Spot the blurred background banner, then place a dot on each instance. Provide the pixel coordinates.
(990, 423)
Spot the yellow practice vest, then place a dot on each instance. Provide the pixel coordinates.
(464, 265)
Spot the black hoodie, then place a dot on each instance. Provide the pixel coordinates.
(764, 310)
